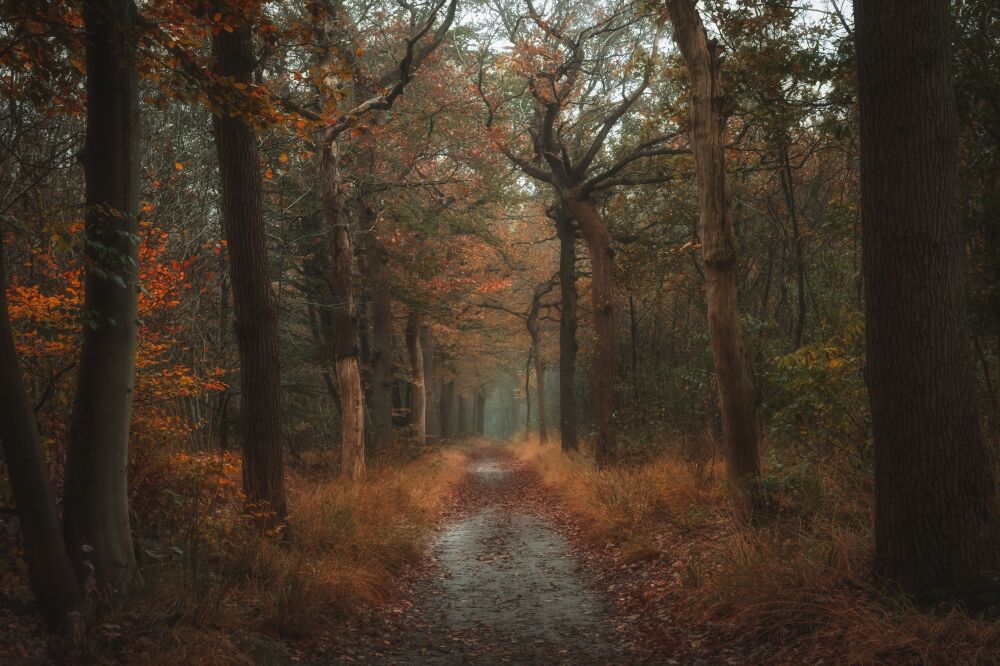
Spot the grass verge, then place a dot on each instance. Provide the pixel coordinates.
(215, 591)
(795, 588)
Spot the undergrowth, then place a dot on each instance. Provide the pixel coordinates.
(216, 591)
(799, 580)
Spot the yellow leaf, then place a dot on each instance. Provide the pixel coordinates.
(178, 166)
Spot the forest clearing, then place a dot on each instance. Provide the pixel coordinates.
(499, 331)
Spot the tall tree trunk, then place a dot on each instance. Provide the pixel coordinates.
(381, 318)
(447, 409)
(96, 517)
(567, 332)
(536, 351)
(328, 26)
(527, 395)
(431, 383)
(480, 424)
(50, 570)
(737, 398)
(463, 425)
(602, 372)
(474, 425)
(936, 522)
(345, 321)
(418, 407)
(255, 310)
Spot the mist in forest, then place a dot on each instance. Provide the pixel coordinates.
(520, 331)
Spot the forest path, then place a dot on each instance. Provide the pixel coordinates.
(504, 586)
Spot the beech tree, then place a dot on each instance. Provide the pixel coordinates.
(95, 496)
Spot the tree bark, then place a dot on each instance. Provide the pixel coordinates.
(50, 570)
(598, 239)
(96, 516)
(345, 321)
(341, 270)
(936, 522)
(567, 332)
(418, 407)
(737, 398)
(255, 310)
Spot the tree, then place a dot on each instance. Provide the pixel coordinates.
(936, 521)
(567, 330)
(255, 311)
(567, 132)
(333, 26)
(534, 325)
(737, 398)
(418, 380)
(96, 516)
(50, 570)
(377, 274)
(432, 381)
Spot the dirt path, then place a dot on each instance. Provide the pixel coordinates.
(504, 586)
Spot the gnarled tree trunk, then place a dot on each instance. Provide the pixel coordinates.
(96, 517)
(737, 398)
(255, 315)
(936, 522)
(345, 322)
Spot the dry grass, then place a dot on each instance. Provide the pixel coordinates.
(628, 504)
(241, 595)
(798, 582)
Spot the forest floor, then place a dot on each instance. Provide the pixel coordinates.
(509, 580)
(486, 553)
